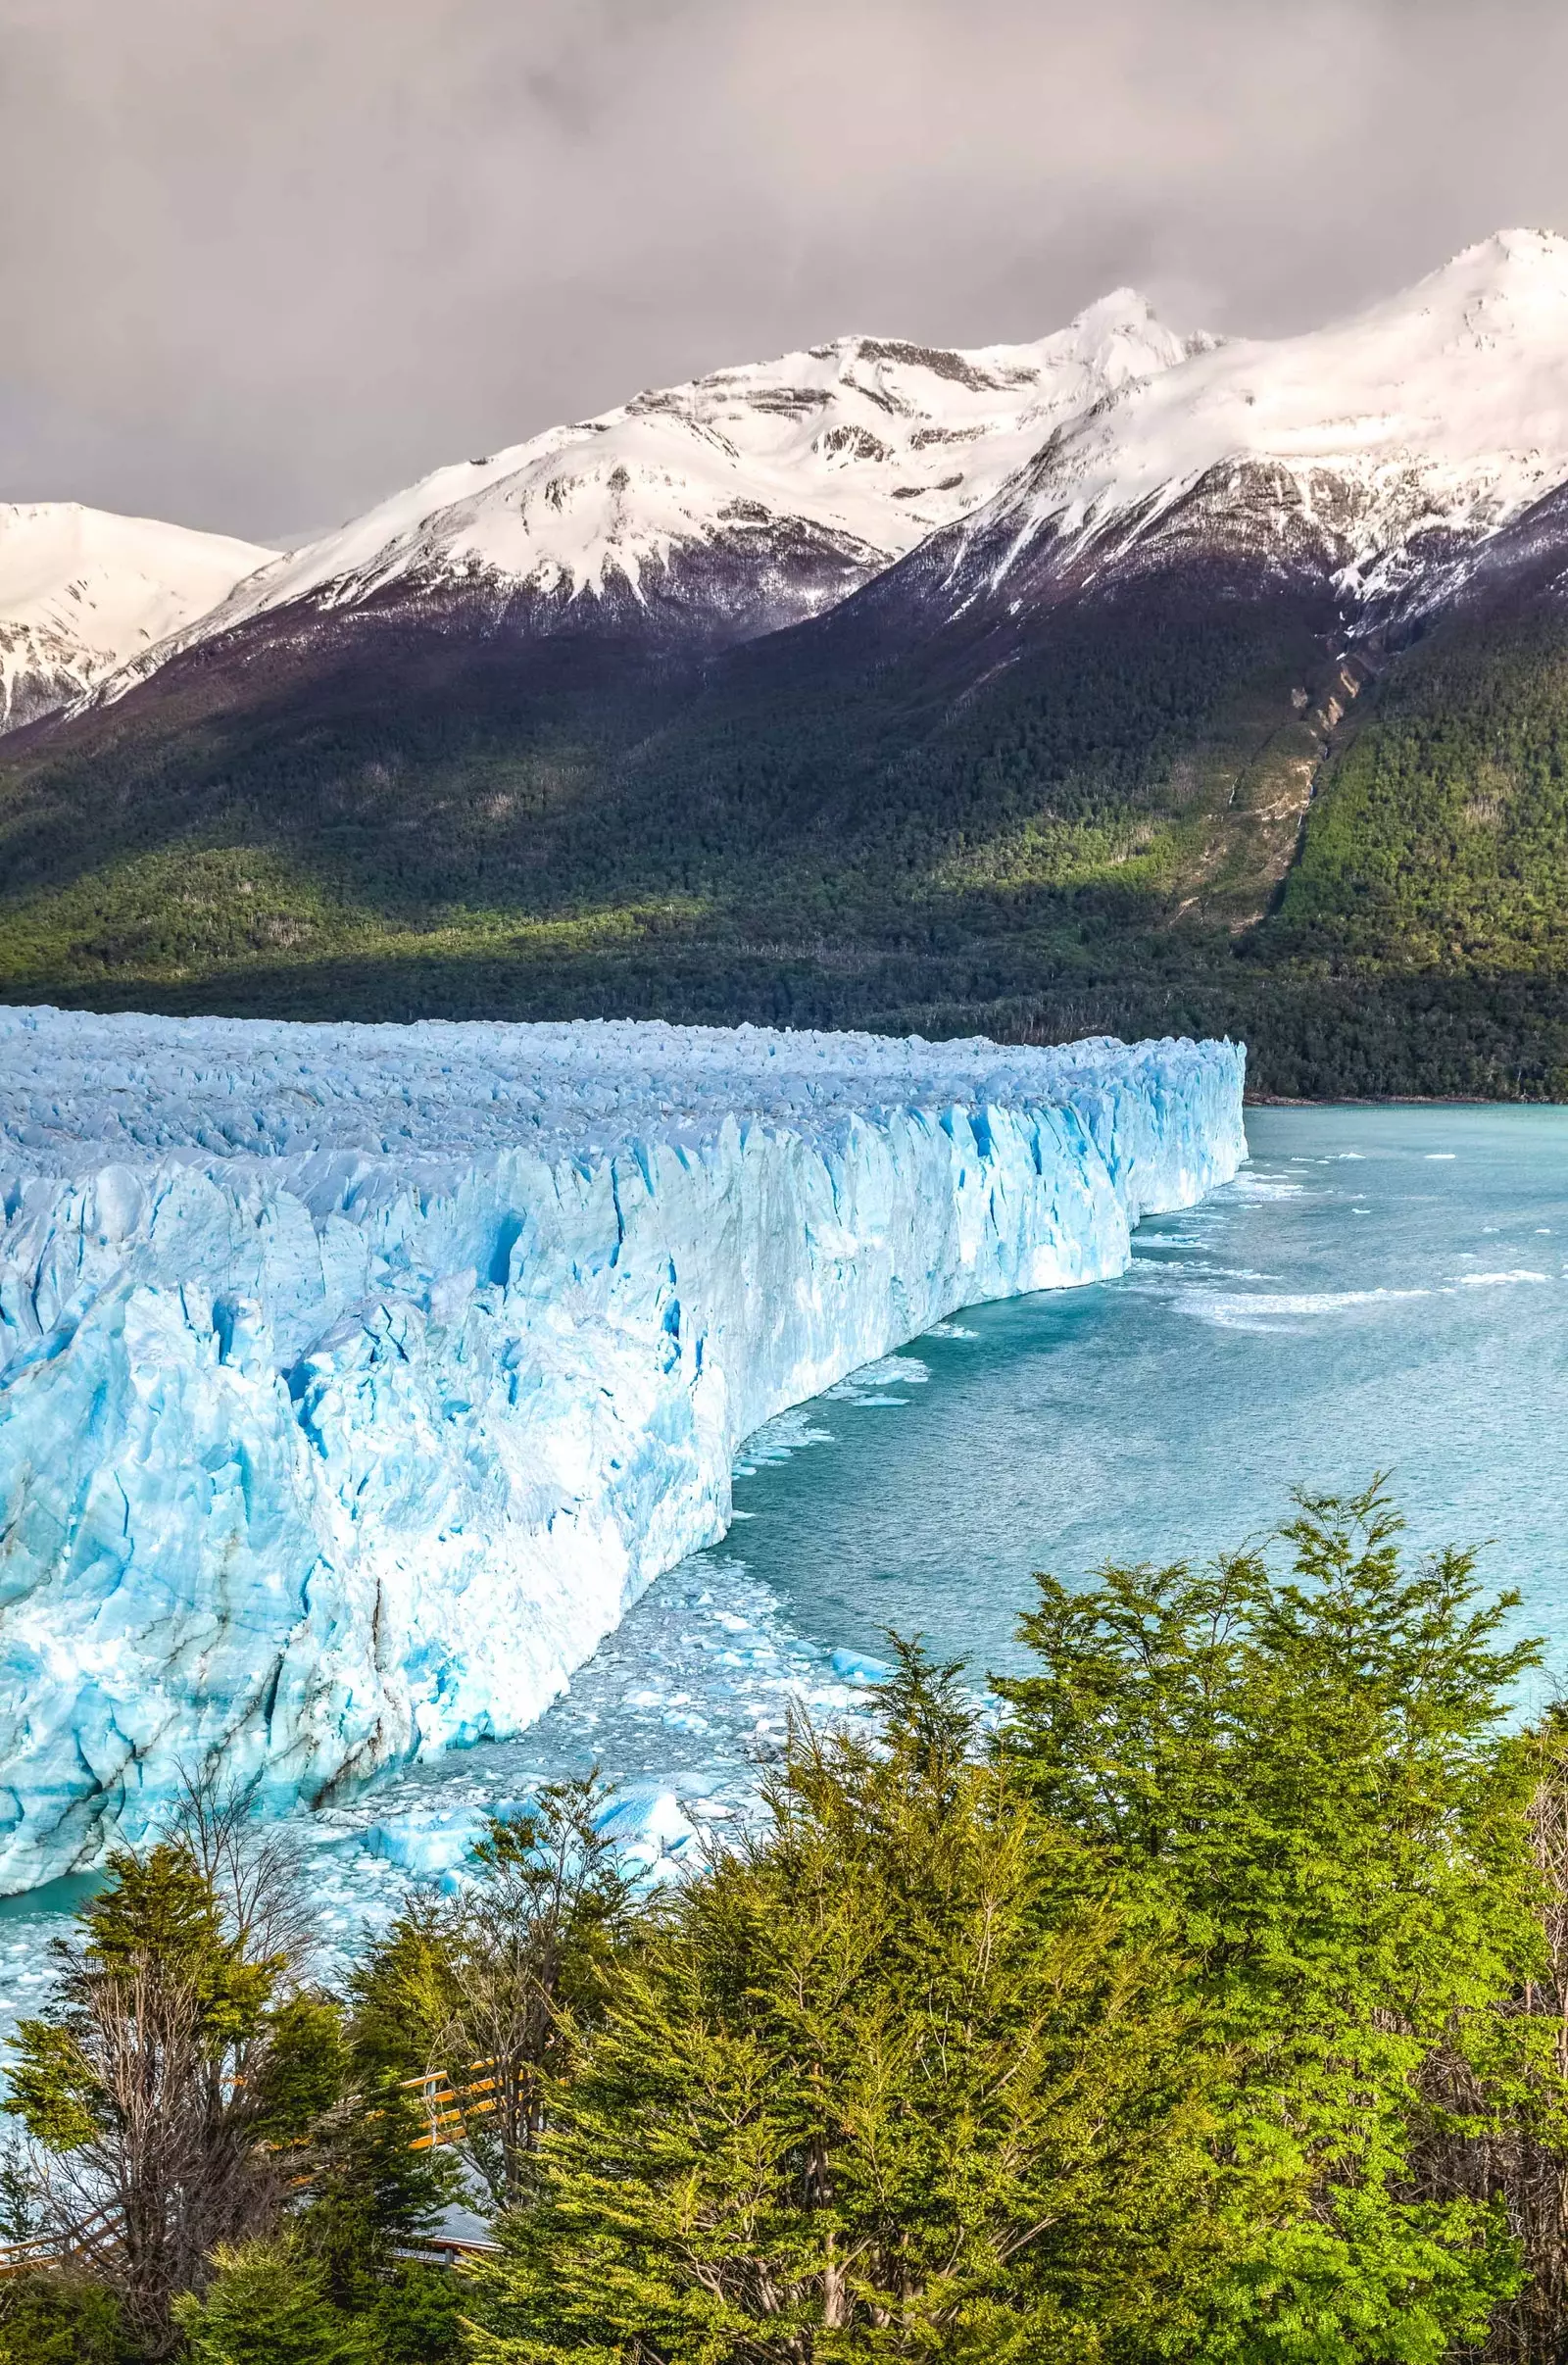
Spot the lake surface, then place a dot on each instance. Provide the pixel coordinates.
(1381, 1289)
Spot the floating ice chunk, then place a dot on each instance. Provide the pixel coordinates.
(646, 1820)
(898, 1371)
(858, 1667)
(1273, 1186)
(427, 1842)
(777, 1440)
(1240, 1309)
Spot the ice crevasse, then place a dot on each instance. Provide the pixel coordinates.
(354, 1380)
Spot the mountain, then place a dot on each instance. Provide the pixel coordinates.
(1364, 453)
(714, 511)
(82, 592)
(1114, 681)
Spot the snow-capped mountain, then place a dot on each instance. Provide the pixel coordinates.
(1369, 450)
(730, 506)
(1365, 452)
(82, 591)
(1368, 456)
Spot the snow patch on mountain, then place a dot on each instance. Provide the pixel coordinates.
(354, 1380)
(82, 591)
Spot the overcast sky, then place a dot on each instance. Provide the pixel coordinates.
(261, 260)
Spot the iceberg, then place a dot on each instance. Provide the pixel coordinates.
(354, 1380)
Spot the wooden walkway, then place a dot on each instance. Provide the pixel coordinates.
(448, 2110)
(449, 2107)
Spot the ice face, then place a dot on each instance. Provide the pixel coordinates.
(356, 1379)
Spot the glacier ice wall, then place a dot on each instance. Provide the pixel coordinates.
(354, 1379)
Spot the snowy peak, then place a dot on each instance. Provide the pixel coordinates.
(1117, 342)
(1441, 412)
(858, 448)
(1508, 288)
(81, 591)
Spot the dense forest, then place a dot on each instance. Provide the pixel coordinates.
(1179, 806)
(1197, 1995)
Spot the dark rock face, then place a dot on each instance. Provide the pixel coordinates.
(31, 684)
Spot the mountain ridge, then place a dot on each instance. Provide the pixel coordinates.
(803, 478)
(793, 481)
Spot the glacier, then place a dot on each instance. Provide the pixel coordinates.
(355, 1379)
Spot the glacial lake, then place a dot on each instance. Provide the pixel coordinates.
(1380, 1289)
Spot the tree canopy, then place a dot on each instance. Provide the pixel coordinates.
(1198, 1993)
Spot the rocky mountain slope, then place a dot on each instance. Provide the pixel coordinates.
(1111, 680)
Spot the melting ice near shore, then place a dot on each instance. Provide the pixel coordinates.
(354, 1380)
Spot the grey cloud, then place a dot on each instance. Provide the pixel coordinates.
(261, 263)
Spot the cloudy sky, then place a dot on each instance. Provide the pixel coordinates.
(265, 260)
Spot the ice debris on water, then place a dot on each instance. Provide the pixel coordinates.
(858, 1667)
(354, 1380)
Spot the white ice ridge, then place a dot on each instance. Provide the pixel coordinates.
(354, 1380)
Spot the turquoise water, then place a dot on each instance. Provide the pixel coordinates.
(1381, 1289)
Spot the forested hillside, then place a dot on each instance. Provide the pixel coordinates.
(1163, 810)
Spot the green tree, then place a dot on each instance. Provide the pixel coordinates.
(1303, 1777)
(416, 2316)
(269, 2305)
(527, 1949)
(372, 2187)
(21, 2197)
(483, 1987)
(176, 2066)
(63, 2319)
(878, 2083)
